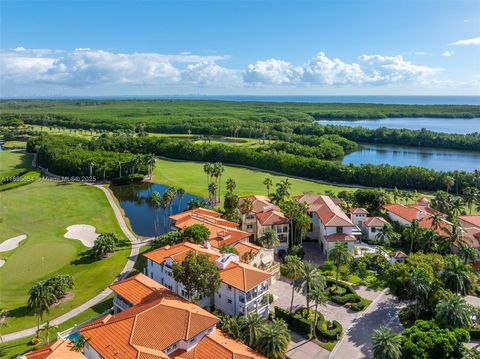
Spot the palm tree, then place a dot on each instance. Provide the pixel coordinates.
(269, 239)
(212, 190)
(156, 201)
(396, 194)
(467, 253)
(208, 169)
(40, 297)
(386, 234)
(309, 274)
(470, 195)
(319, 296)
(150, 162)
(250, 329)
(231, 185)
(46, 329)
(456, 275)
(419, 285)
(449, 182)
(412, 232)
(437, 220)
(267, 182)
(339, 255)
(273, 339)
(180, 193)
(91, 164)
(386, 344)
(283, 188)
(454, 311)
(79, 344)
(293, 270)
(218, 169)
(246, 206)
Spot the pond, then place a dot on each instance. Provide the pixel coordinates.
(134, 199)
(446, 125)
(433, 158)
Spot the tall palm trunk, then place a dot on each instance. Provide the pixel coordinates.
(336, 275)
(293, 292)
(315, 318)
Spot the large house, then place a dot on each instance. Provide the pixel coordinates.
(329, 224)
(161, 325)
(470, 232)
(265, 215)
(371, 226)
(244, 288)
(221, 230)
(406, 214)
(60, 349)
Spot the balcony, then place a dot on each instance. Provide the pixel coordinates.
(121, 303)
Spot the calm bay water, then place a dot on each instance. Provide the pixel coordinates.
(134, 201)
(446, 125)
(434, 158)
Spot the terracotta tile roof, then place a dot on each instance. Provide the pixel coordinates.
(271, 217)
(260, 203)
(473, 220)
(358, 211)
(340, 237)
(398, 254)
(217, 345)
(444, 228)
(238, 275)
(375, 222)
(138, 329)
(405, 212)
(470, 237)
(423, 201)
(329, 213)
(138, 289)
(243, 276)
(245, 247)
(221, 231)
(198, 211)
(61, 349)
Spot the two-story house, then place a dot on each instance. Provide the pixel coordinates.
(329, 224)
(358, 215)
(265, 215)
(160, 325)
(244, 288)
(221, 230)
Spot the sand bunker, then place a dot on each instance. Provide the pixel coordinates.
(2, 262)
(12, 243)
(82, 232)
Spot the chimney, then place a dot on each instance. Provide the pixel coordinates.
(420, 215)
(206, 245)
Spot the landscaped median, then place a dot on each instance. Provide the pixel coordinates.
(345, 295)
(327, 333)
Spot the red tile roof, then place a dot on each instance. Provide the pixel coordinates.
(398, 254)
(238, 275)
(340, 237)
(61, 349)
(271, 217)
(221, 230)
(138, 332)
(375, 222)
(329, 213)
(358, 211)
(244, 247)
(402, 211)
(138, 289)
(260, 203)
(473, 220)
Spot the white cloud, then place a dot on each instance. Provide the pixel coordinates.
(272, 71)
(448, 53)
(473, 41)
(208, 73)
(420, 53)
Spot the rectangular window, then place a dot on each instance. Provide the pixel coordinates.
(229, 287)
(229, 301)
(374, 229)
(249, 226)
(339, 229)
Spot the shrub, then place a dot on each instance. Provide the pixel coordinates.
(357, 307)
(329, 331)
(337, 290)
(348, 287)
(474, 333)
(270, 297)
(132, 178)
(346, 298)
(295, 321)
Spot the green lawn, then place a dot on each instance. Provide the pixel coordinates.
(14, 144)
(190, 176)
(42, 210)
(12, 163)
(20, 346)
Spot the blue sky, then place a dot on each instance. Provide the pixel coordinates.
(239, 47)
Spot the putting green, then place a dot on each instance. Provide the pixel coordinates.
(43, 210)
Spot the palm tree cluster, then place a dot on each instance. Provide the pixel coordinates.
(165, 202)
(270, 338)
(45, 293)
(104, 244)
(214, 178)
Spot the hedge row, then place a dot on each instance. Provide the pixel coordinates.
(474, 333)
(329, 334)
(295, 321)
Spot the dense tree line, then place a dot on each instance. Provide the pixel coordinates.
(369, 175)
(288, 122)
(69, 156)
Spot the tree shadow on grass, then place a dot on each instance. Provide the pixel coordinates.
(86, 257)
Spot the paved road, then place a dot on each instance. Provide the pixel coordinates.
(136, 245)
(356, 343)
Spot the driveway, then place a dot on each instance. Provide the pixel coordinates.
(301, 348)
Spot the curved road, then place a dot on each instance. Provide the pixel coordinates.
(136, 245)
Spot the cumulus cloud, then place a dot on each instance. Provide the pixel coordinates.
(448, 53)
(84, 66)
(322, 70)
(466, 42)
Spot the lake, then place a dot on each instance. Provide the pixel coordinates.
(446, 125)
(434, 158)
(134, 201)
